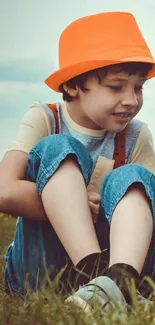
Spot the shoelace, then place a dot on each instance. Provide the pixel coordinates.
(96, 289)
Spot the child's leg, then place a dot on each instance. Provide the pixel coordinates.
(36, 245)
(128, 197)
(127, 194)
(71, 218)
(131, 228)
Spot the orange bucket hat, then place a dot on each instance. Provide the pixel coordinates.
(96, 41)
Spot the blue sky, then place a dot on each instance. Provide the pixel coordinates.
(29, 32)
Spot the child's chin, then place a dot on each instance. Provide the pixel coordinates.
(121, 128)
(116, 129)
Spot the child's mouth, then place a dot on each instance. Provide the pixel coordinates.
(123, 117)
(123, 114)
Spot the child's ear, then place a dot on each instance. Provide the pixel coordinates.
(73, 92)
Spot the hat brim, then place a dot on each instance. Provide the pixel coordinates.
(59, 77)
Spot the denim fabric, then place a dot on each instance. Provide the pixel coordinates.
(36, 246)
(116, 183)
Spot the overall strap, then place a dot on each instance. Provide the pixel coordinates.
(119, 142)
(119, 149)
(54, 110)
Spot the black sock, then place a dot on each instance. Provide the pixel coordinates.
(90, 267)
(122, 274)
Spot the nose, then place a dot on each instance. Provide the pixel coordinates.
(129, 98)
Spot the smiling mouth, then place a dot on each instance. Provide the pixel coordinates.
(123, 114)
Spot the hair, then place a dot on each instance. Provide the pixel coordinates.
(131, 68)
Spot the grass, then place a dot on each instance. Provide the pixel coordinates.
(47, 308)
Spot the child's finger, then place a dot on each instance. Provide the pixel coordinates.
(94, 208)
(94, 197)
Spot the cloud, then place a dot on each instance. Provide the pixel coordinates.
(31, 28)
(29, 40)
(15, 100)
(32, 70)
(8, 130)
(16, 97)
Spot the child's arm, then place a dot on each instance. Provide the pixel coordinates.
(143, 153)
(17, 196)
(20, 197)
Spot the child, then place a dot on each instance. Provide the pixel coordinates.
(62, 185)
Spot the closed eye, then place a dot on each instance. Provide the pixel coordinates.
(115, 88)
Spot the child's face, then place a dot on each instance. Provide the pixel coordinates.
(112, 104)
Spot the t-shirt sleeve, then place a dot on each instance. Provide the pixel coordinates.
(34, 126)
(144, 153)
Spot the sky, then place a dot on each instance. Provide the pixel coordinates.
(29, 33)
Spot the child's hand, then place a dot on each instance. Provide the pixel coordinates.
(94, 203)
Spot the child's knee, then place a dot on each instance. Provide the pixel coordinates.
(126, 175)
(46, 156)
(116, 184)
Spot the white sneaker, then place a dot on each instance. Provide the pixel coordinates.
(101, 289)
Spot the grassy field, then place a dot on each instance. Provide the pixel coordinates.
(46, 308)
